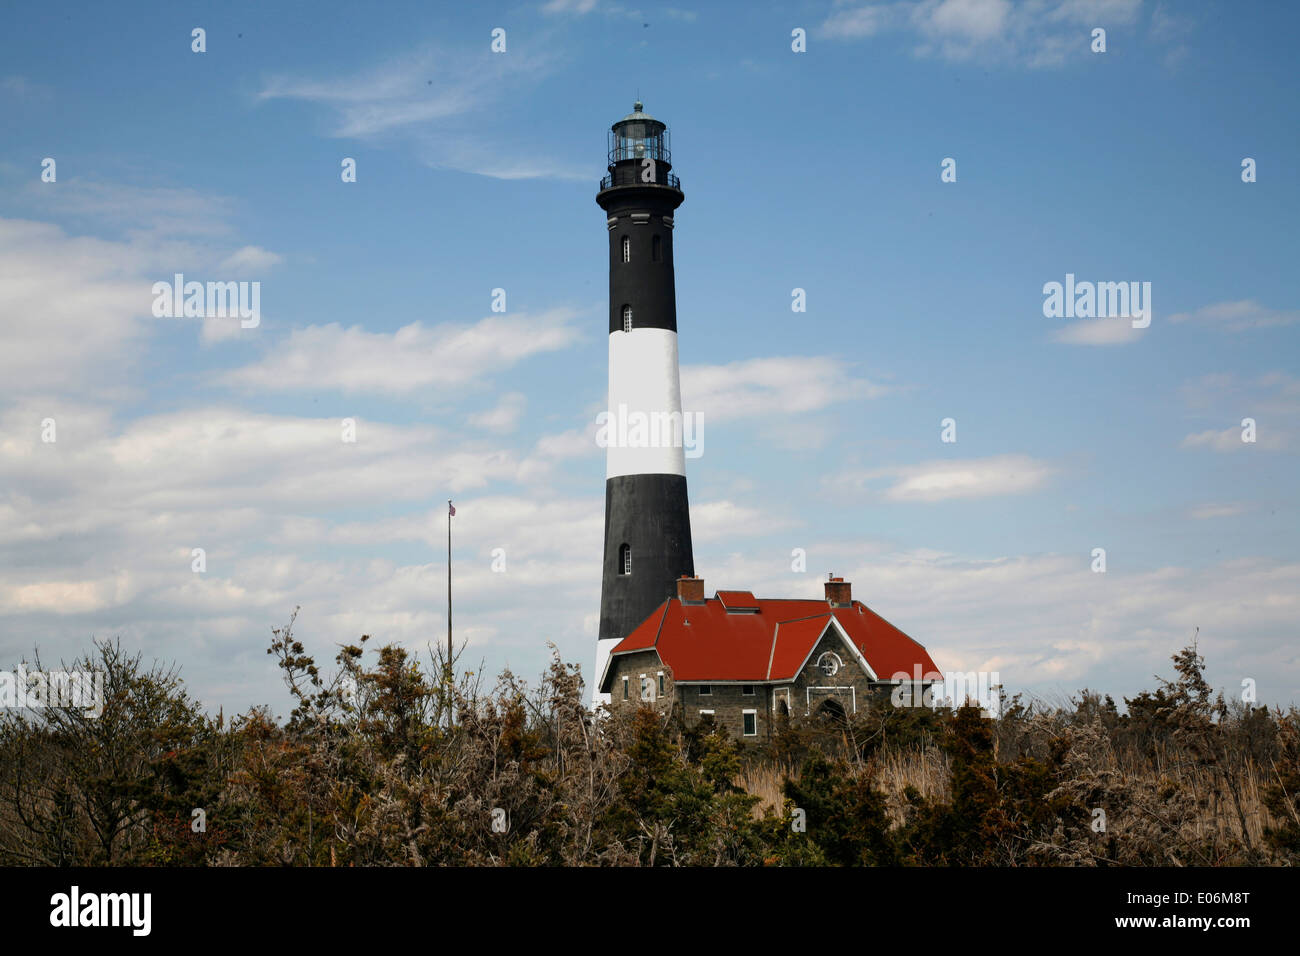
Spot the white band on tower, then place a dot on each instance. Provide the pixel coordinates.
(645, 427)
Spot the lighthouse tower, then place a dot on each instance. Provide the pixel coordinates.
(647, 518)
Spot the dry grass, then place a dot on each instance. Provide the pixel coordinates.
(765, 781)
(927, 769)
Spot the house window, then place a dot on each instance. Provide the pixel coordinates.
(647, 689)
(656, 249)
(661, 683)
(747, 690)
(829, 663)
(706, 715)
(627, 249)
(625, 559)
(627, 318)
(625, 688)
(750, 718)
(706, 690)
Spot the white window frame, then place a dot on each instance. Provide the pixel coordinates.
(743, 715)
(776, 695)
(647, 690)
(661, 683)
(625, 559)
(839, 663)
(707, 713)
(704, 690)
(627, 318)
(752, 692)
(625, 697)
(627, 249)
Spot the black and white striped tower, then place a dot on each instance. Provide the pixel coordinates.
(647, 517)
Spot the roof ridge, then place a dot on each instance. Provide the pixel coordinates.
(663, 616)
(771, 654)
(809, 617)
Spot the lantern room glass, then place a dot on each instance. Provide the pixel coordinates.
(638, 139)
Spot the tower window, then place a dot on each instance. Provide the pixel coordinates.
(625, 559)
(656, 250)
(627, 318)
(627, 249)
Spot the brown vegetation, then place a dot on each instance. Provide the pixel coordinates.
(391, 763)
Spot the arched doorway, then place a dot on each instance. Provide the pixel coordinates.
(832, 711)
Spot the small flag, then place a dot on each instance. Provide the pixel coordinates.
(451, 510)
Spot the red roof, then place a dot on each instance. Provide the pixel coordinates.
(737, 637)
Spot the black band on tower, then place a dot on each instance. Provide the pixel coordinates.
(650, 515)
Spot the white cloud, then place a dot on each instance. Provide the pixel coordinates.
(569, 6)
(401, 92)
(1238, 316)
(1090, 13)
(1208, 511)
(945, 480)
(574, 443)
(417, 97)
(74, 308)
(725, 521)
(765, 387)
(1099, 332)
(1229, 440)
(78, 309)
(975, 21)
(413, 357)
(159, 211)
(66, 596)
(854, 22)
(1033, 33)
(504, 417)
(251, 259)
(98, 529)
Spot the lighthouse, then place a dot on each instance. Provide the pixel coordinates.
(647, 516)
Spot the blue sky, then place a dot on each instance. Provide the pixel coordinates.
(817, 170)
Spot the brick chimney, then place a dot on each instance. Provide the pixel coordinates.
(690, 589)
(838, 592)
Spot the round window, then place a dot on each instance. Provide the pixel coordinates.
(829, 664)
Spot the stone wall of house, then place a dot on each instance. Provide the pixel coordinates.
(632, 666)
(729, 703)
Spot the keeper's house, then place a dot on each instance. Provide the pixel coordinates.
(749, 663)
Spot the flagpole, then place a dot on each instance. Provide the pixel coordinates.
(450, 511)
